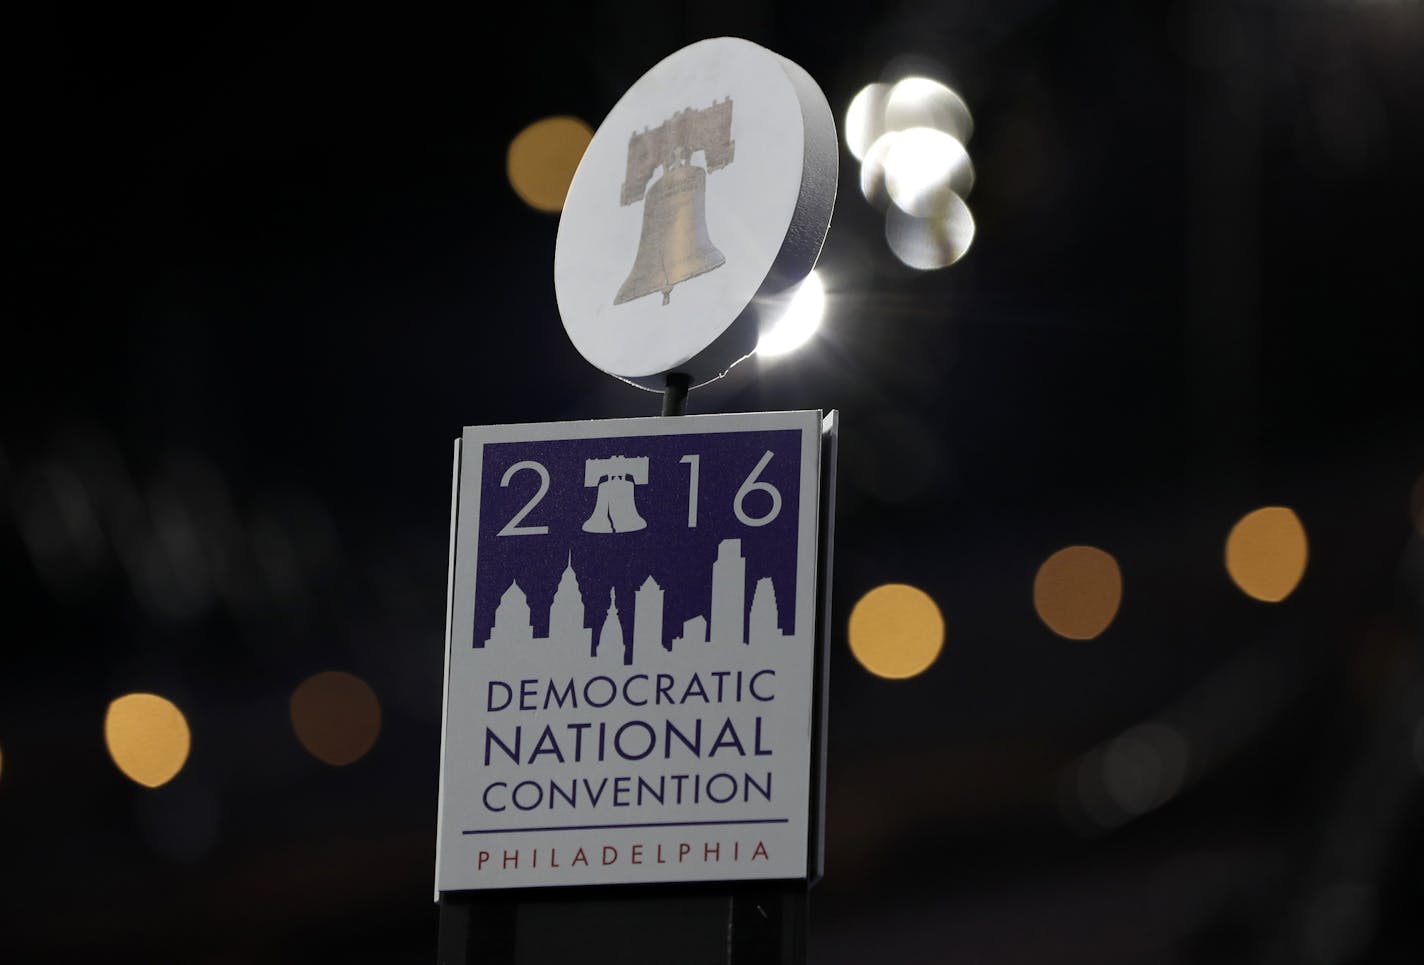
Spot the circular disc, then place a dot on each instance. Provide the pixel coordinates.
(706, 190)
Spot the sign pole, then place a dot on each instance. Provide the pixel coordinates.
(675, 395)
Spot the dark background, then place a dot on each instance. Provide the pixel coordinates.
(263, 264)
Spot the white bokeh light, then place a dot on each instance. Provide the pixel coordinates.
(933, 242)
(872, 172)
(922, 102)
(865, 118)
(910, 138)
(922, 166)
(802, 319)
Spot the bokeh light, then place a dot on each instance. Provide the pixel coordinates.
(1078, 591)
(922, 102)
(872, 174)
(865, 118)
(336, 716)
(896, 631)
(1266, 553)
(542, 160)
(799, 322)
(934, 242)
(923, 167)
(1129, 775)
(910, 139)
(148, 738)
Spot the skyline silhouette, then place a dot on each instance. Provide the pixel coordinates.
(728, 621)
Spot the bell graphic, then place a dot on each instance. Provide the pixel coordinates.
(674, 245)
(615, 477)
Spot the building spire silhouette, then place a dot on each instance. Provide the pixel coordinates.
(567, 617)
(610, 638)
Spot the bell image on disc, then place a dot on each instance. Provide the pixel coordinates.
(705, 194)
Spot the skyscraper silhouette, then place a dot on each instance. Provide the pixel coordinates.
(727, 623)
(648, 620)
(762, 622)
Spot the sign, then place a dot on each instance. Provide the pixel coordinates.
(702, 200)
(631, 659)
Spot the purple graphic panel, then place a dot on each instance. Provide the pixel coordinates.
(616, 513)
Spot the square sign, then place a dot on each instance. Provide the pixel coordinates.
(630, 674)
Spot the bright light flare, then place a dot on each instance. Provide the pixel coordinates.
(801, 320)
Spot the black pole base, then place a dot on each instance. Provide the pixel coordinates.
(635, 925)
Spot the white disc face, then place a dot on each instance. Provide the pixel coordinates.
(710, 183)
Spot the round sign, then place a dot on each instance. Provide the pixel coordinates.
(705, 194)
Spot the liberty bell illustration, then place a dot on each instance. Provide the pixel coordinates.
(615, 477)
(674, 245)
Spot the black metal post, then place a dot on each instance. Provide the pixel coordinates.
(675, 395)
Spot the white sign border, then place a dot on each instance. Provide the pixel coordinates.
(460, 591)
